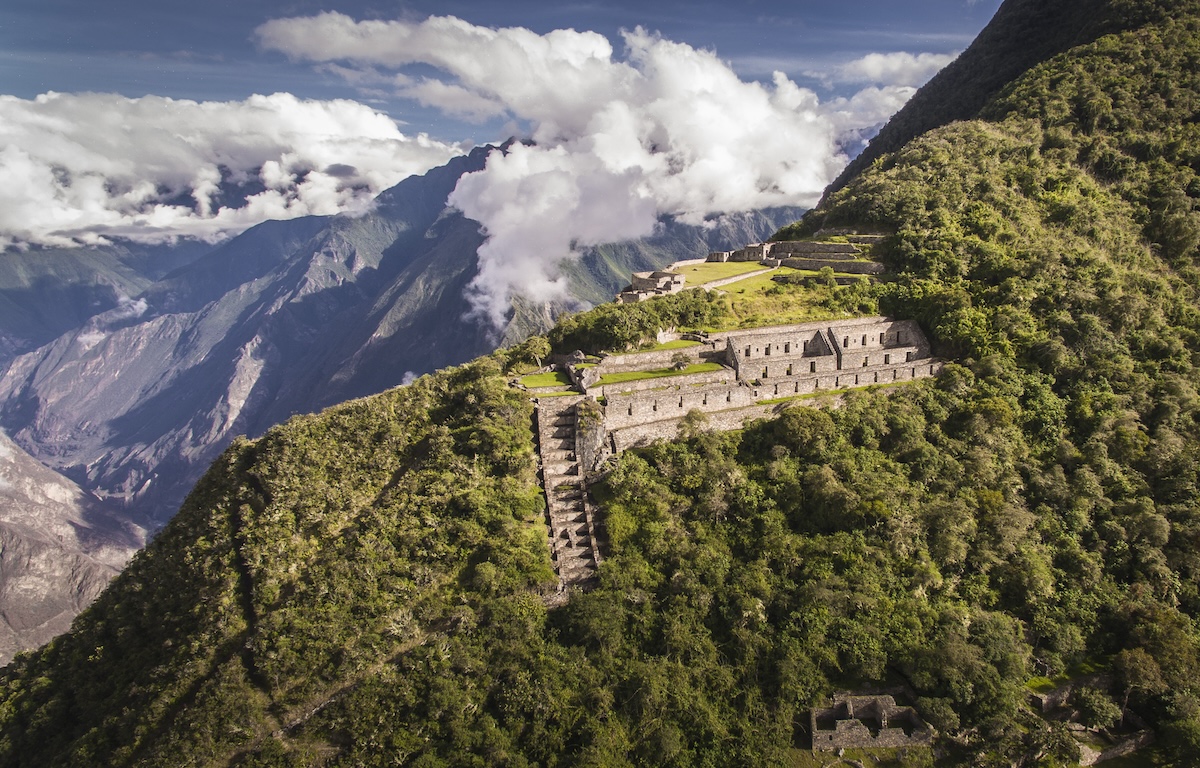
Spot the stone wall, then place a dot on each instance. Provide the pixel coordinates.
(848, 266)
(808, 247)
(635, 408)
(717, 421)
(1058, 697)
(753, 252)
(653, 360)
(591, 445)
(866, 722)
(1089, 756)
(711, 284)
(766, 364)
(723, 377)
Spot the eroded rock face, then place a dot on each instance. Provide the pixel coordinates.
(58, 550)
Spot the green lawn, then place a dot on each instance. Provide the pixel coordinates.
(621, 378)
(667, 345)
(698, 274)
(551, 379)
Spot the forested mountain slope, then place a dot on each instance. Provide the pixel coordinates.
(360, 587)
(1021, 35)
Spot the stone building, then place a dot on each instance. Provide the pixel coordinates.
(647, 285)
(864, 722)
(762, 369)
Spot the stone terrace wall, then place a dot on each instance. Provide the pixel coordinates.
(725, 377)
(806, 247)
(674, 399)
(718, 421)
(848, 266)
(632, 409)
(654, 360)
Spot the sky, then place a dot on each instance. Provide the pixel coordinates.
(157, 120)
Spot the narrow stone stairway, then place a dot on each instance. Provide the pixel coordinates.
(570, 522)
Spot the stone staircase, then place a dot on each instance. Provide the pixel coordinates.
(570, 517)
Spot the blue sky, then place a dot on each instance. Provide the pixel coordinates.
(207, 51)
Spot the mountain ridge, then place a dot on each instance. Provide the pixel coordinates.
(362, 586)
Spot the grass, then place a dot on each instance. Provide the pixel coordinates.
(668, 345)
(551, 379)
(1040, 684)
(621, 378)
(698, 274)
(567, 393)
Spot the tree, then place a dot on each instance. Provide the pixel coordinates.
(1096, 709)
(1137, 671)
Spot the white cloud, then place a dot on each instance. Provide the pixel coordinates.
(889, 69)
(618, 140)
(82, 167)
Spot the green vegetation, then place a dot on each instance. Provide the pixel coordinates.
(628, 376)
(300, 565)
(359, 588)
(549, 379)
(621, 327)
(669, 345)
(698, 274)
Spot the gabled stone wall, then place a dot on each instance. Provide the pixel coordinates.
(866, 722)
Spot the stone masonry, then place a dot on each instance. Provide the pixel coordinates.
(570, 519)
(759, 366)
(864, 722)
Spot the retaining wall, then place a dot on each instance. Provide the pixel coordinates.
(725, 376)
(632, 408)
(807, 247)
(717, 421)
(848, 266)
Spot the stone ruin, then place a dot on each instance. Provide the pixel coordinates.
(865, 722)
(647, 285)
(761, 369)
(847, 257)
(758, 372)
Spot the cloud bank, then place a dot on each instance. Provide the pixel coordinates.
(903, 69)
(81, 168)
(618, 140)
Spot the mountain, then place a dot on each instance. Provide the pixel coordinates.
(133, 402)
(58, 546)
(364, 586)
(1020, 36)
(154, 358)
(45, 292)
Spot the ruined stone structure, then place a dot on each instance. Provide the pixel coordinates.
(647, 285)
(864, 722)
(758, 372)
(760, 367)
(804, 254)
(570, 518)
